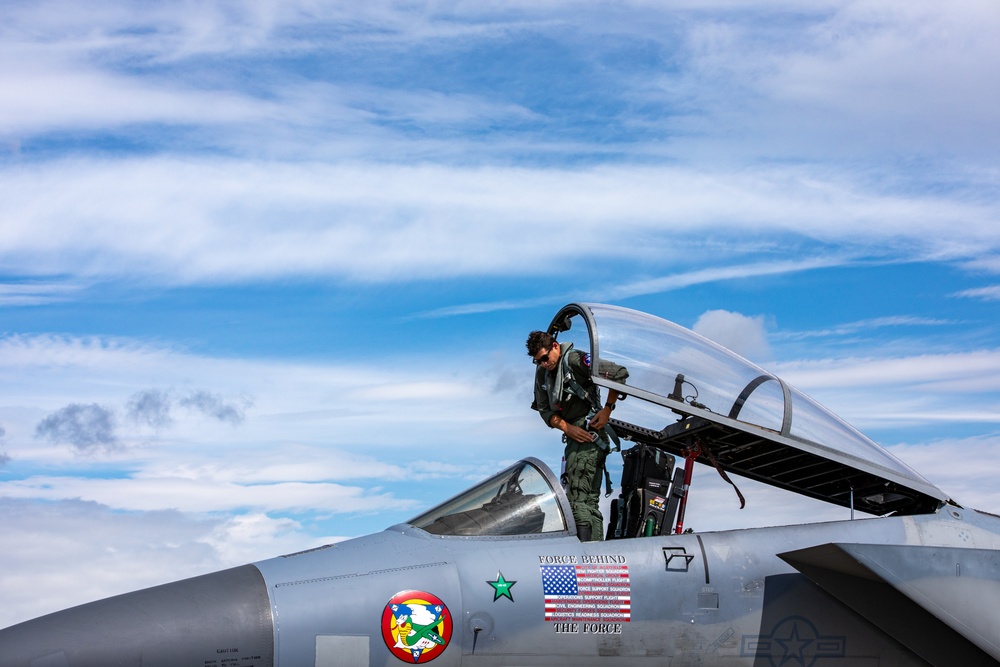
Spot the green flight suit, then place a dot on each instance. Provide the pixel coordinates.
(584, 474)
(584, 460)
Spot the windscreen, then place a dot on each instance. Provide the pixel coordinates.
(517, 501)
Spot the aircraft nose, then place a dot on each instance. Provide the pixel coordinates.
(216, 620)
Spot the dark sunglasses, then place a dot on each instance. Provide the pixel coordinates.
(542, 359)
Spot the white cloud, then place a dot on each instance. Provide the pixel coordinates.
(36, 293)
(871, 324)
(990, 293)
(198, 219)
(988, 264)
(65, 553)
(744, 335)
(51, 351)
(146, 493)
(668, 283)
(903, 390)
(56, 98)
(183, 221)
(68, 552)
(426, 390)
(962, 467)
(848, 78)
(255, 536)
(754, 79)
(962, 373)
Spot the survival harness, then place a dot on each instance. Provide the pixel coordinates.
(593, 398)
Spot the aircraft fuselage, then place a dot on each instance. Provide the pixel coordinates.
(405, 596)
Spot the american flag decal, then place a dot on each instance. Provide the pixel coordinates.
(586, 592)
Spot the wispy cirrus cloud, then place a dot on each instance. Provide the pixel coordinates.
(968, 372)
(879, 392)
(990, 293)
(388, 221)
(872, 324)
(36, 293)
(835, 56)
(647, 286)
(177, 223)
(145, 493)
(207, 197)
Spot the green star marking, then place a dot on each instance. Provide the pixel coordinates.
(501, 588)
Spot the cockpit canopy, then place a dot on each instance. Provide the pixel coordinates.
(683, 387)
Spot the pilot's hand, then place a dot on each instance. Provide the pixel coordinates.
(578, 434)
(600, 420)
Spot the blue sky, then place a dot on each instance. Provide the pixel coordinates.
(266, 268)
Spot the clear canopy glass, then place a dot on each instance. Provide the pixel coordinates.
(764, 428)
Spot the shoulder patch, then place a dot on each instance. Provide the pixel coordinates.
(586, 359)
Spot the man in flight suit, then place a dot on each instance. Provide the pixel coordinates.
(567, 399)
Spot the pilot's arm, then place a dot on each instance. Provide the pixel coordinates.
(611, 371)
(600, 420)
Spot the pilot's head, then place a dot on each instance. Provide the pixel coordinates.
(543, 349)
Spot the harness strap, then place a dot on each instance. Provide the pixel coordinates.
(613, 437)
(722, 473)
(574, 387)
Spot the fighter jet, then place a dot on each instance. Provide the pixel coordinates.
(497, 575)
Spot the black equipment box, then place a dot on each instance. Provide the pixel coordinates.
(641, 507)
(643, 462)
